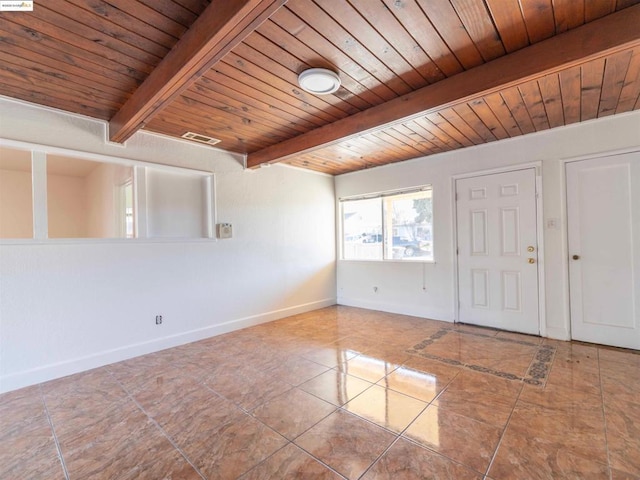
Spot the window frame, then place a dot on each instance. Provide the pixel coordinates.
(381, 196)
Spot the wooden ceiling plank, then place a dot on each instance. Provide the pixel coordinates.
(508, 18)
(446, 21)
(456, 120)
(247, 115)
(598, 9)
(46, 93)
(606, 36)
(620, 4)
(327, 52)
(294, 66)
(272, 94)
(552, 97)
(448, 128)
(264, 68)
(221, 27)
(499, 107)
(538, 17)
(568, 14)
(195, 118)
(390, 144)
(159, 12)
(348, 43)
(488, 118)
(194, 6)
(105, 18)
(469, 116)
(388, 26)
(352, 21)
(415, 137)
(530, 92)
(631, 88)
(477, 21)
(18, 35)
(216, 94)
(615, 72)
(407, 139)
(300, 57)
(445, 139)
(513, 99)
(34, 73)
(411, 16)
(116, 46)
(570, 81)
(592, 76)
(79, 46)
(66, 64)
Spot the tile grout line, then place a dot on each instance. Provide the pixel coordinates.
(157, 425)
(55, 436)
(604, 417)
(504, 431)
(399, 435)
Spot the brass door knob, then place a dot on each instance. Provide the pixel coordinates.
(532, 260)
(576, 257)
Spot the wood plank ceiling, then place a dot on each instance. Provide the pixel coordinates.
(91, 56)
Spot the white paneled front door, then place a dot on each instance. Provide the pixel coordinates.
(498, 251)
(603, 213)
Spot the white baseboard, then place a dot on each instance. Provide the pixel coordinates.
(18, 380)
(401, 309)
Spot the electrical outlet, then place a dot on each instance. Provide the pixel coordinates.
(158, 319)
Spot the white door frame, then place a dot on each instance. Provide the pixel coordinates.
(565, 220)
(542, 324)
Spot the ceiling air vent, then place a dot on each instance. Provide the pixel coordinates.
(196, 137)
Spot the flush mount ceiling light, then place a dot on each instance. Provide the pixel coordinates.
(319, 81)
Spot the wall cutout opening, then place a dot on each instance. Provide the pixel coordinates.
(88, 199)
(16, 193)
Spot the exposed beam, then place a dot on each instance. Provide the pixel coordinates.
(603, 37)
(222, 25)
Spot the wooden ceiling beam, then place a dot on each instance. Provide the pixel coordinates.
(220, 27)
(597, 39)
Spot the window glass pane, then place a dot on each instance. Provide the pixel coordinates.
(362, 229)
(408, 222)
(87, 199)
(16, 198)
(176, 204)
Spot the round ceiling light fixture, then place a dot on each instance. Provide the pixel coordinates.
(319, 81)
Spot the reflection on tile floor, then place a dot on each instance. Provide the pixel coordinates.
(318, 396)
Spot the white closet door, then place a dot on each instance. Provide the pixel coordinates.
(603, 211)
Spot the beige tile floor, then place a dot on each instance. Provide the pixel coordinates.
(337, 393)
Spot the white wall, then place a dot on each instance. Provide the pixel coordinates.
(67, 306)
(400, 285)
(16, 206)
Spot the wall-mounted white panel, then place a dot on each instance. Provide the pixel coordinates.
(480, 288)
(478, 231)
(510, 230)
(511, 291)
